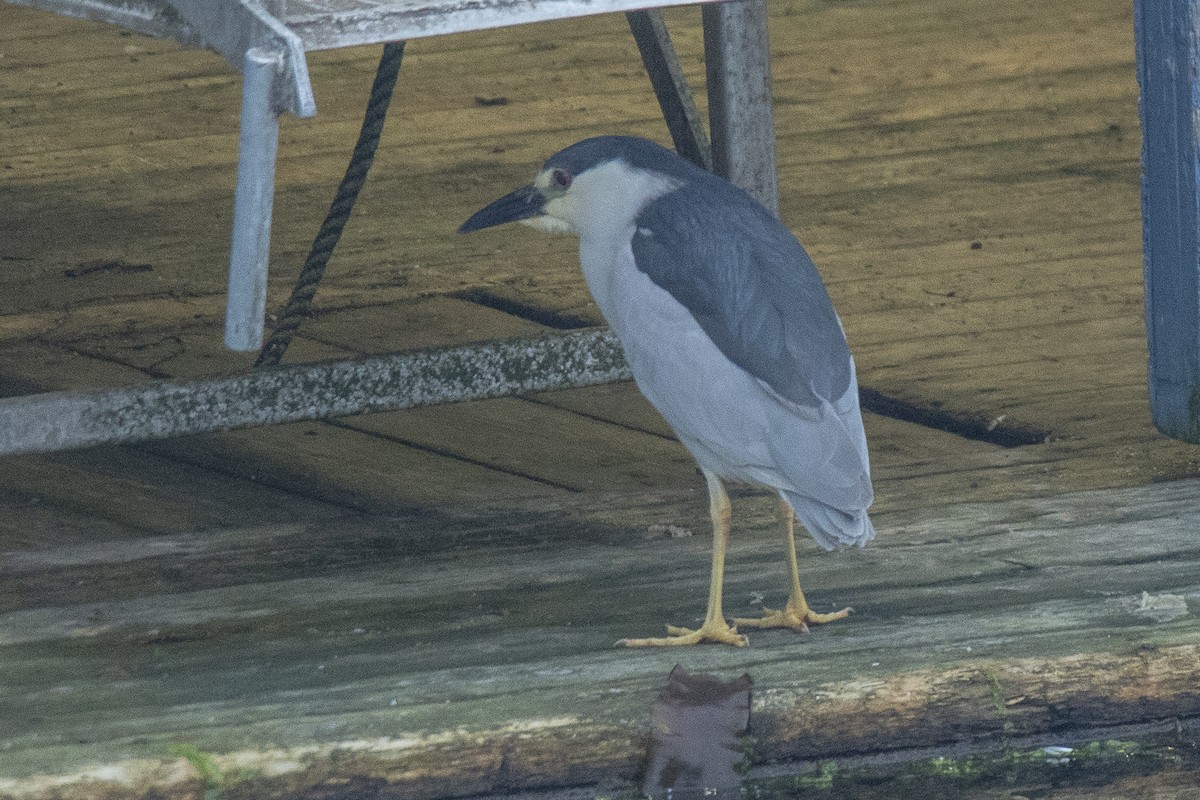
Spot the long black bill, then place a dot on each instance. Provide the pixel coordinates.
(521, 204)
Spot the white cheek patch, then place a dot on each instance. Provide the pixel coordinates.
(548, 224)
(543, 180)
(604, 198)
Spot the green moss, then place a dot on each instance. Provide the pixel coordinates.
(210, 773)
(823, 779)
(1110, 749)
(1013, 763)
(952, 768)
(747, 748)
(949, 777)
(999, 704)
(997, 692)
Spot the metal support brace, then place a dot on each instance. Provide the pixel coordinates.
(741, 121)
(64, 420)
(671, 86)
(233, 27)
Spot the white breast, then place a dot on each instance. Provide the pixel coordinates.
(679, 369)
(732, 423)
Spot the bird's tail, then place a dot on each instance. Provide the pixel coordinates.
(831, 527)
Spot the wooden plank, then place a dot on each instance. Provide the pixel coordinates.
(509, 436)
(354, 469)
(933, 144)
(318, 655)
(550, 444)
(308, 466)
(156, 494)
(911, 464)
(426, 83)
(338, 334)
(31, 368)
(431, 322)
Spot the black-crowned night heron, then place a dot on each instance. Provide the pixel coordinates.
(728, 331)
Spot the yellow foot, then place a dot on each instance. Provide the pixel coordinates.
(718, 633)
(792, 617)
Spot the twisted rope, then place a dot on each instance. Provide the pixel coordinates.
(299, 305)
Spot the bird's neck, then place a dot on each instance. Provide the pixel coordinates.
(605, 260)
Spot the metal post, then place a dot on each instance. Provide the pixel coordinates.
(251, 248)
(741, 121)
(1168, 66)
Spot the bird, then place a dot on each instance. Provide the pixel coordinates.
(731, 335)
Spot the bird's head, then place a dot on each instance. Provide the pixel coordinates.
(592, 187)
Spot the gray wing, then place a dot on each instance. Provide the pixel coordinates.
(751, 287)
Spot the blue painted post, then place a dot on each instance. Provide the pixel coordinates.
(1168, 67)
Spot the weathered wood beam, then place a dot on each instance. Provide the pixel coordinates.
(440, 655)
(64, 420)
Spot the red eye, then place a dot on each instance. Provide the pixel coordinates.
(561, 179)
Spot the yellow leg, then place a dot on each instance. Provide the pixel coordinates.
(715, 628)
(796, 615)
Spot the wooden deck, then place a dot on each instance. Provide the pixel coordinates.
(423, 603)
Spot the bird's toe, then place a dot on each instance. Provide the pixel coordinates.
(718, 633)
(796, 617)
